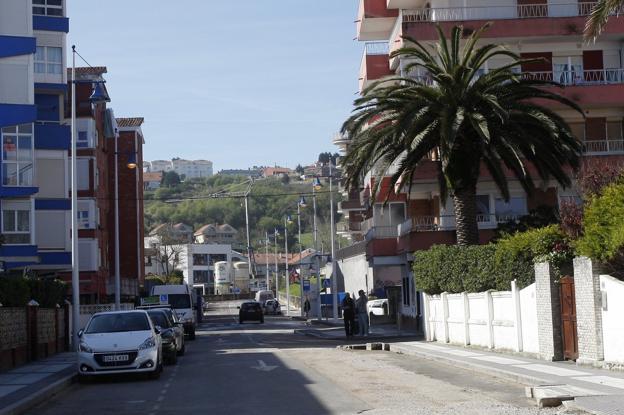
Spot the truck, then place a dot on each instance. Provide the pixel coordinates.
(180, 298)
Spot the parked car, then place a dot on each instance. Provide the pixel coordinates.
(177, 328)
(272, 307)
(377, 307)
(250, 310)
(167, 333)
(120, 342)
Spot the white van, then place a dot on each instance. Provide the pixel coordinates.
(180, 298)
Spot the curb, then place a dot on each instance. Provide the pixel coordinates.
(475, 367)
(38, 397)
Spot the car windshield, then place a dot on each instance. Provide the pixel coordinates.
(180, 300)
(113, 323)
(250, 306)
(159, 319)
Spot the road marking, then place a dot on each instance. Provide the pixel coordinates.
(156, 407)
(160, 398)
(135, 402)
(263, 366)
(603, 380)
(550, 370)
(162, 392)
(167, 385)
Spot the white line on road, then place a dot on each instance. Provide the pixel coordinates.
(160, 398)
(162, 392)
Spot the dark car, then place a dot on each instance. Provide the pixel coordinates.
(167, 333)
(250, 310)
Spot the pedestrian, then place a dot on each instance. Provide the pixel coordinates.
(362, 313)
(306, 307)
(348, 314)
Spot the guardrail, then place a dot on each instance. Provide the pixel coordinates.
(520, 11)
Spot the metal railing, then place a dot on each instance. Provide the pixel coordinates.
(357, 248)
(382, 232)
(376, 48)
(520, 11)
(434, 223)
(603, 146)
(586, 77)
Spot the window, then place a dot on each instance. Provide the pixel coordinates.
(201, 276)
(16, 223)
(512, 210)
(49, 60)
(483, 208)
(200, 259)
(17, 155)
(48, 7)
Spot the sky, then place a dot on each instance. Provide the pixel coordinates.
(238, 82)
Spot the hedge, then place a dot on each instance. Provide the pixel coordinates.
(603, 226)
(17, 291)
(455, 269)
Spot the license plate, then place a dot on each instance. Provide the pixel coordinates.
(117, 358)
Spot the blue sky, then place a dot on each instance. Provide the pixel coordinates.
(236, 82)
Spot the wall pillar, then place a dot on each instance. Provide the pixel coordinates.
(549, 313)
(515, 296)
(588, 311)
(466, 318)
(490, 318)
(445, 315)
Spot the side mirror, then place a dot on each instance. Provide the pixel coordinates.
(80, 332)
(157, 329)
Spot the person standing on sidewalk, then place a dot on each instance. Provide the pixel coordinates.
(348, 314)
(306, 307)
(362, 313)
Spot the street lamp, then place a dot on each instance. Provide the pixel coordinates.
(315, 186)
(287, 220)
(97, 97)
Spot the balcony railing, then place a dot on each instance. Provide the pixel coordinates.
(382, 232)
(587, 77)
(434, 223)
(376, 48)
(520, 11)
(349, 227)
(603, 146)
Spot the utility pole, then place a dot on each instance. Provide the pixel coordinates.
(332, 225)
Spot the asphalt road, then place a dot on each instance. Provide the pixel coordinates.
(265, 368)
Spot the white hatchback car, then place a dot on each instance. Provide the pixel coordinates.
(120, 342)
(378, 307)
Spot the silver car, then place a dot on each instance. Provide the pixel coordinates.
(120, 342)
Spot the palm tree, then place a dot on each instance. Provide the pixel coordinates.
(599, 16)
(467, 117)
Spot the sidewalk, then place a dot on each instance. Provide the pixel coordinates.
(28, 385)
(334, 330)
(597, 391)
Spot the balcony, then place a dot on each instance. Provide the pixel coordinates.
(521, 20)
(375, 20)
(349, 228)
(349, 205)
(598, 147)
(608, 76)
(447, 222)
(375, 63)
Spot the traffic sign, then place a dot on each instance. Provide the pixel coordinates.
(236, 290)
(164, 298)
(327, 282)
(306, 286)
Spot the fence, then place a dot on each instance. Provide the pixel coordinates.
(505, 320)
(87, 310)
(31, 333)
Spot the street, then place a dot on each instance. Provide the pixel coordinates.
(233, 369)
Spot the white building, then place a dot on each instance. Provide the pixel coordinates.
(188, 168)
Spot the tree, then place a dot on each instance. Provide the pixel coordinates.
(600, 15)
(324, 157)
(467, 118)
(299, 169)
(169, 248)
(285, 179)
(170, 179)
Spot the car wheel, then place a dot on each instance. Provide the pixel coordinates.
(173, 359)
(192, 334)
(182, 350)
(155, 374)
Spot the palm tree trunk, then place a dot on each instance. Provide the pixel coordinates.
(465, 201)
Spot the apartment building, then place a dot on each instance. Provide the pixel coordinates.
(188, 168)
(384, 236)
(34, 187)
(216, 234)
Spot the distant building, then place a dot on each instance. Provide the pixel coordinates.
(189, 168)
(275, 171)
(216, 234)
(179, 233)
(151, 181)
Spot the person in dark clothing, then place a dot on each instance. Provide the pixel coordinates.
(348, 314)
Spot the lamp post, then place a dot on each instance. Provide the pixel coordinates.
(287, 220)
(97, 97)
(266, 253)
(316, 185)
(332, 230)
(302, 203)
(275, 235)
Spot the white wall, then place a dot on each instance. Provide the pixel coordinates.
(612, 318)
(15, 18)
(504, 320)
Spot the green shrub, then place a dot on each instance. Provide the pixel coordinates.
(454, 268)
(516, 254)
(47, 292)
(14, 291)
(603, 232)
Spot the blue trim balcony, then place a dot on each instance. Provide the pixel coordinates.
(18, 251)
(15, 114)
(43, 86)
(52, 137)
(15, 191)
(52, 24)
(52, 204)
(17, 46)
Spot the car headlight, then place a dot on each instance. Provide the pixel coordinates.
(84, 347)
(148, 343)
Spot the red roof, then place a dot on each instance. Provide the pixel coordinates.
(89, 70)
(130, 122)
